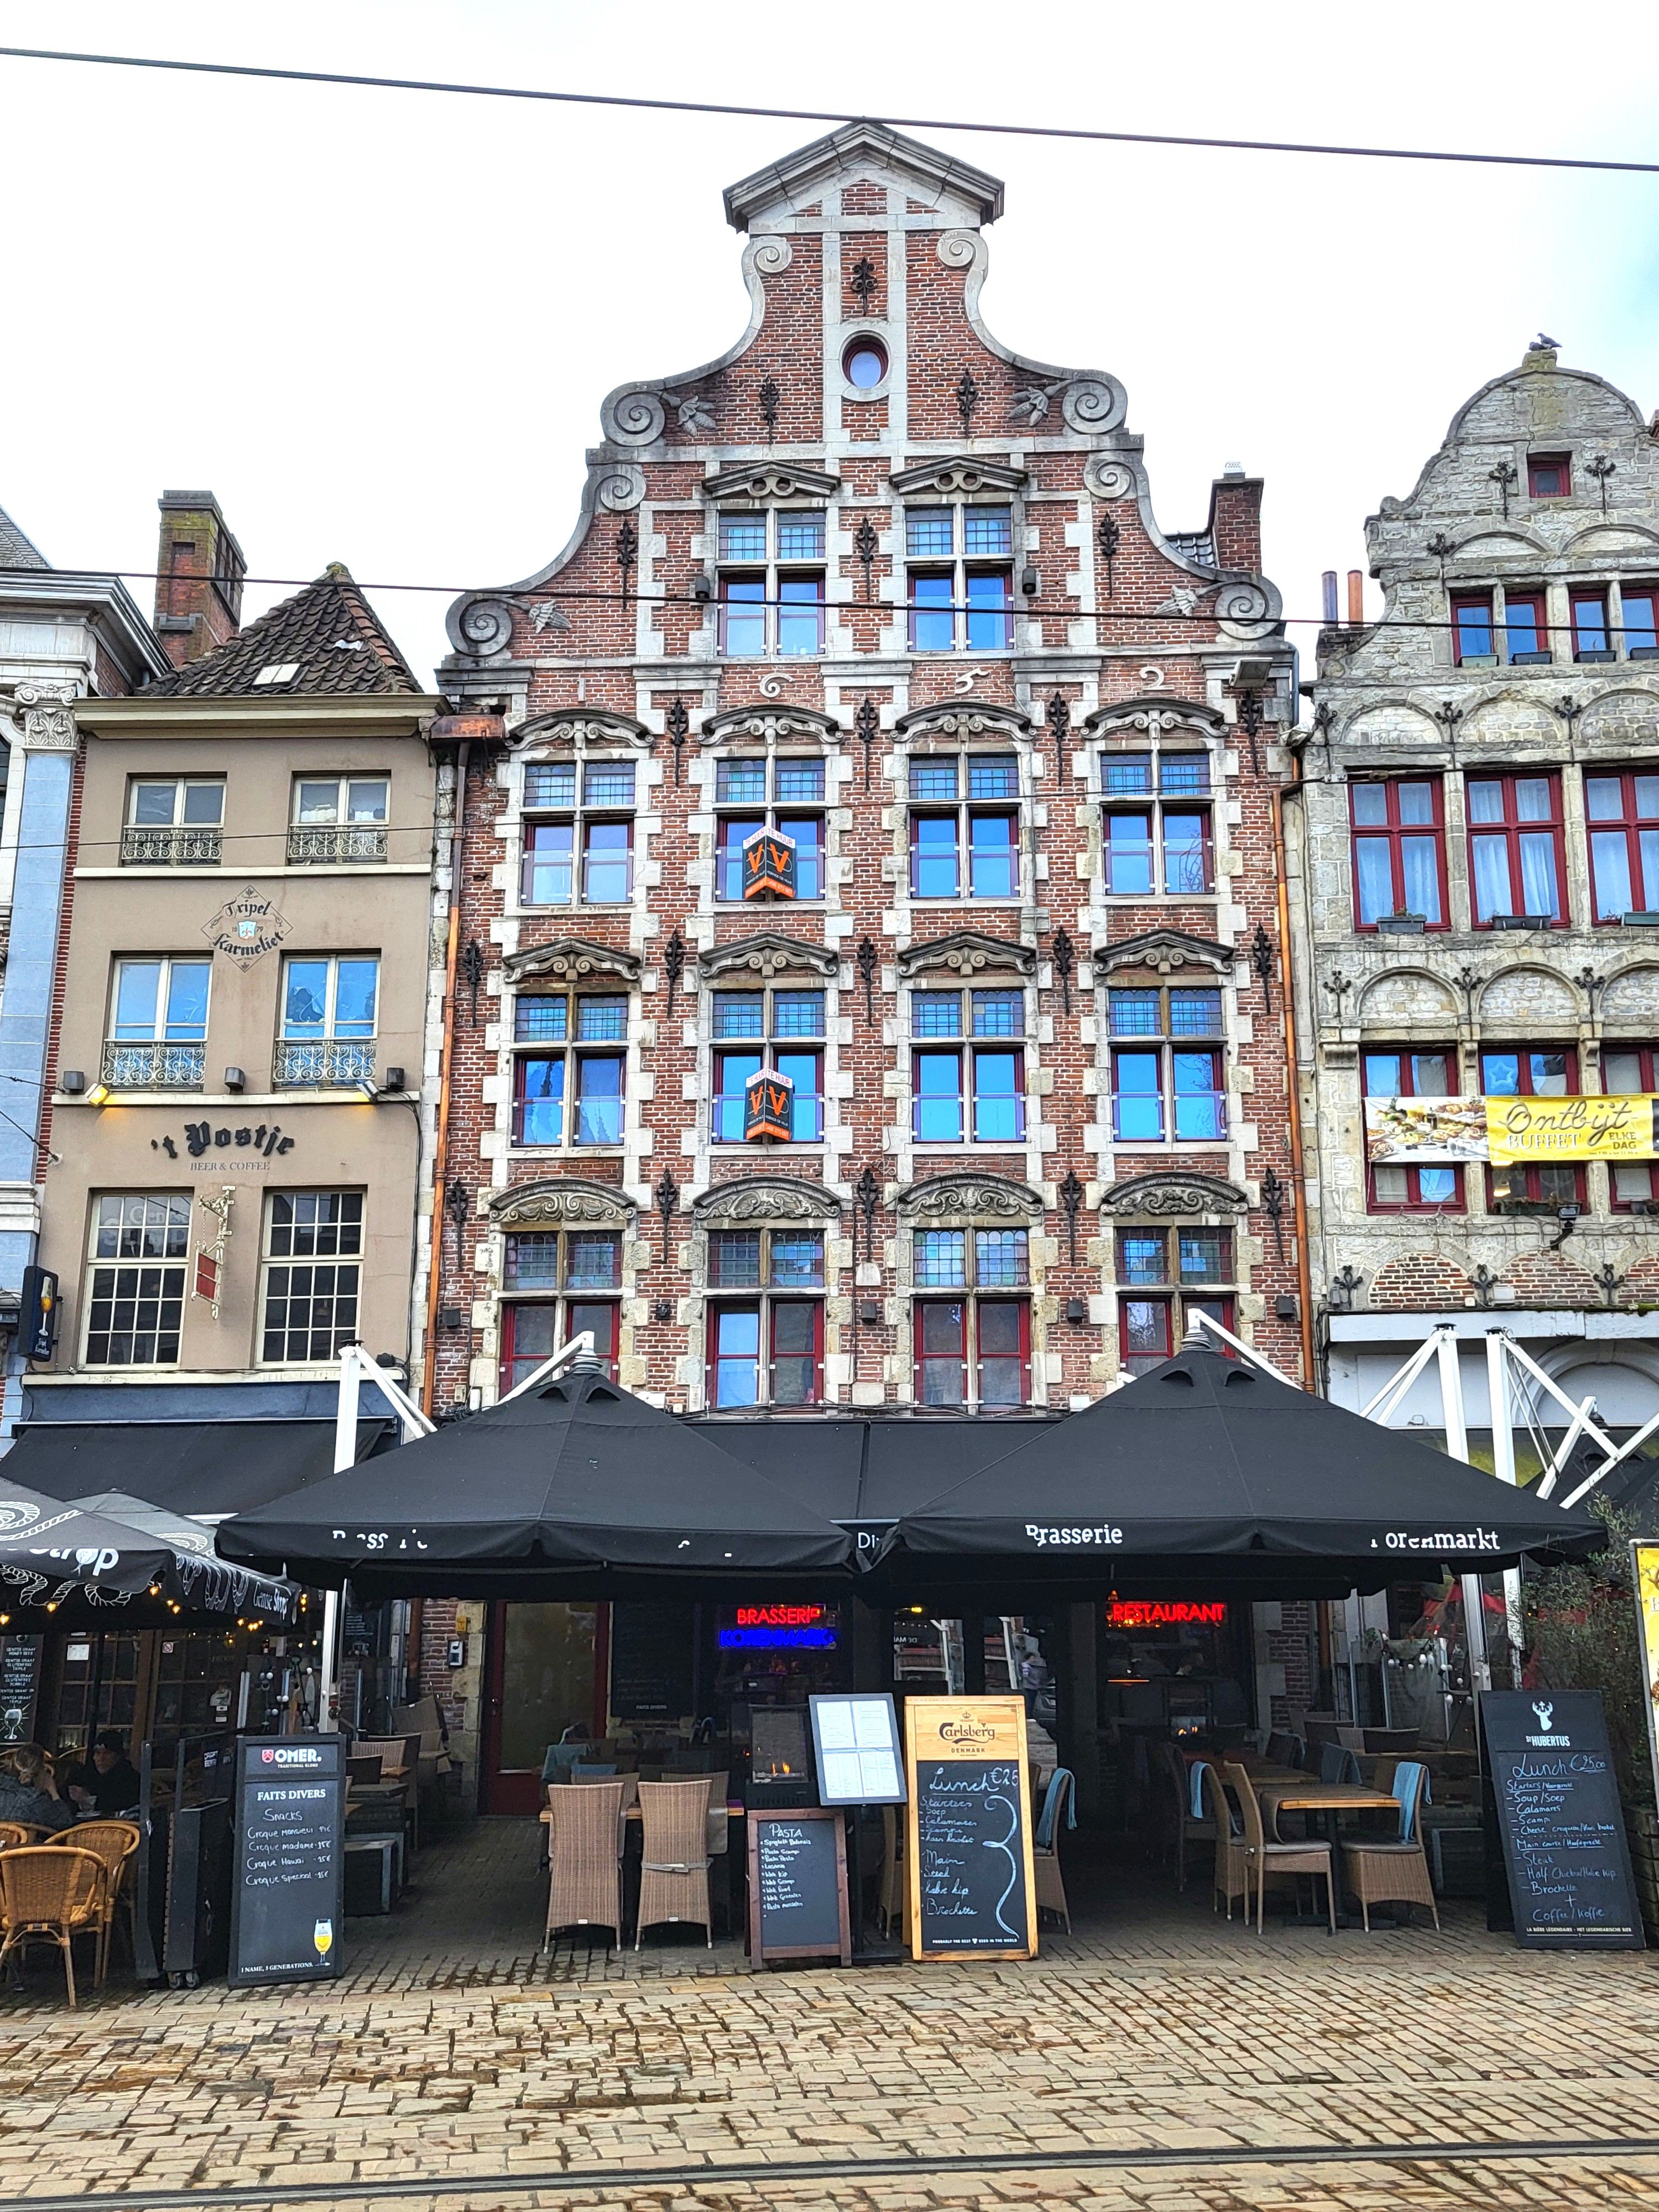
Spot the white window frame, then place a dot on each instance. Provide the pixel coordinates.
(95, 1265)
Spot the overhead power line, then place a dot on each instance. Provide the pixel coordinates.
(830, 115)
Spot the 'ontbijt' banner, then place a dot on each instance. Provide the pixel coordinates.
(1433, 1132)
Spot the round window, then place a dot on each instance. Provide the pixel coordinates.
(864, 362)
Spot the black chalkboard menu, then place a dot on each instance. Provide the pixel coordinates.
(798, 1903)
(287, 1896)
(19, 1687)
(1563, 1829)
(652, 1647)
(973, 1888)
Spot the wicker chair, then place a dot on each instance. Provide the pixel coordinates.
(51, 1894)
(114, 1842)
(1183, 1828)
(400, 1768)
(1045, 1858)
(15, 1832)
(586, 1847)
(1265, 1860)
(674, 1858)
(1393, 1870)
(1232, 1864)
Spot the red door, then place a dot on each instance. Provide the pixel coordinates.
(544, 1672)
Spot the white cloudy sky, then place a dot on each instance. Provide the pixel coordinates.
(378, 324)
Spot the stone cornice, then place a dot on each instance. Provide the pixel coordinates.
(1169, 1192)
(765, 1198)
(570, 958)
(593, 725)
(957, 472)
(966, 952)
(771, 480)
(967, 1197)
(779, 724)
(561, 1198)
(1154, 713)
(769, 952)
(1164, 950)
(965, 718)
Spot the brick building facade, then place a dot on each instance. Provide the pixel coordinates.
(877, 609)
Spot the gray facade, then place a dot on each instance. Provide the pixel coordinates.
(1469, 871)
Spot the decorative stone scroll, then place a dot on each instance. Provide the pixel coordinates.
(570, 959)
(966, 953)
(1164, 951)
(765, 1198)
(952, 1200)
(771, 725)
(561, 1199)
(769, 953)
(1154, 718)
(1172, 1196)
(584, 726)
(957, 473)
(1107, 478)
(965, 719)
(635, 416)
(771, 480)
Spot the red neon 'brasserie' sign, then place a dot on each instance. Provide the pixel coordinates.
(779, 1616)
(1164, 1613)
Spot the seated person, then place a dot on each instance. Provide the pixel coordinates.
(107, 1785)
(29, 1791)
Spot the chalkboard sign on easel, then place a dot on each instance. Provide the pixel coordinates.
(1556, 1793)
(287, 1898)
(797, 1902)
(972, 1887)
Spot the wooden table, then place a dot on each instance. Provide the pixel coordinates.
(1303, 1794)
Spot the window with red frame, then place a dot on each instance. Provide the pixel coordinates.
(1159, 1272)
(973, 1348)
(1629, 1070)
(1392, 1187)
(1523, 1072)
(1549, 475)
(1472, 630)
(1622, 814)
(1590, 640)
(767, 1348)
(1526, 633)
(1398, 851)
(533, 1330)
(1516, 861)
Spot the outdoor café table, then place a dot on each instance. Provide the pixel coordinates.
(1305, 1794)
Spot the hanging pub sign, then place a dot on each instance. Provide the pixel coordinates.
(768, 1105)
(768, 866)
(246, 928)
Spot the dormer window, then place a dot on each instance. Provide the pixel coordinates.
(771, 583)
(960, 578)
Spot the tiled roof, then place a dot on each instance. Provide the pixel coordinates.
(324, 639)
(15, 550)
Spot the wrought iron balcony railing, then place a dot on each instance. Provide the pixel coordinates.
(194, 845)
(335, 843)
(323, 1060)
(155, 1067)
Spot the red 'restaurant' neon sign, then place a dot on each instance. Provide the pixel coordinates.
(779, 1616)
(1164, 1613)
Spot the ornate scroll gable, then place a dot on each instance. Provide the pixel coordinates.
(951, 1200)
(957, 473)
(1169, 1195)
(771, 480)
(1152, 714)
(569, 725)
(779, 725)
(769, 953)
(965, 952)
(1165, 950)
(556, 1202)
(570, 958)
(765, 1198)
(965, 718)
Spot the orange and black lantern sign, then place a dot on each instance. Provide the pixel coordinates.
(769, 1106)
(768, 866)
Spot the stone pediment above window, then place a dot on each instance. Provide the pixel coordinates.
(765, 1198)
(1172, 1196)
(572, 725)
(956, 475)
(764, 480)
(571, 959)
(960, 720)
(762, 723)
(561, 1198)
(769, 953)
(1164, 951)
(1154, 716)
(952, 1200)
(965, 952)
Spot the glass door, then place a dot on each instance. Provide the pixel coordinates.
(542, 1674)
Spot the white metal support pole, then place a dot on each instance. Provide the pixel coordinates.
(1457, 1443)
(1503, 1466)
(1382, 1408)
(345, 1455)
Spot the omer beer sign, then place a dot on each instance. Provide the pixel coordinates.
(768, 866)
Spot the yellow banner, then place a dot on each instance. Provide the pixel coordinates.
(1593, 1128)
(1644, 1576)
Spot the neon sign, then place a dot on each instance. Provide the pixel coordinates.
(778, 1628)
(1164, 1613)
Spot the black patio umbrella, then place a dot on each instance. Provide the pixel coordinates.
(49, 1550)
(577, 1488)
(196, 1578)
(1207, 1464)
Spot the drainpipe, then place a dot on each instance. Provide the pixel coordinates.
(1293, 1091)
(440, 1142)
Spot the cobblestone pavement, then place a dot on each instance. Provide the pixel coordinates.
(1157, 2026)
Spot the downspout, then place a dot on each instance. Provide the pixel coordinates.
(441, 1140)
(1293, 1091)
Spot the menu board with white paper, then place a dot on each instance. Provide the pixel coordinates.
(857, 1742)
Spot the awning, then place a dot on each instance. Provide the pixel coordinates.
(204, 1468)
(1206, 1458)
(49, 1550)
(196, 1578)
(577, 1487)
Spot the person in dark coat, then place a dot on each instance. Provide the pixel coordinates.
(29, 1791)
(108, 1785)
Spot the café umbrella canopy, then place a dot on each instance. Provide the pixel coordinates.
(574, 1488)
(50, 1551)
(1208, 1459)
(196, 1578)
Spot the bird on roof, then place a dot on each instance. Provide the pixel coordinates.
(1543, 339)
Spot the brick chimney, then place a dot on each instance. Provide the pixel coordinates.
(198, 583)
